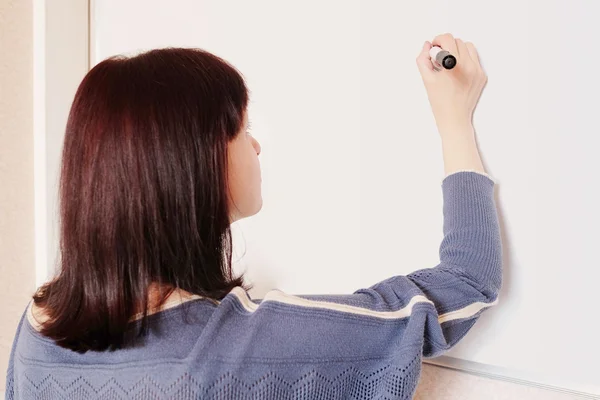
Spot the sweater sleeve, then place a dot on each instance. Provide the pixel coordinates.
(434, 306)
(469, 276)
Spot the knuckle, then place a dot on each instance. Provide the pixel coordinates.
(444, 37)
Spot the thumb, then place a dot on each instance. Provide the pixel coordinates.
(424, 61)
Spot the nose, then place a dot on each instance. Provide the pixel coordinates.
(257, 146)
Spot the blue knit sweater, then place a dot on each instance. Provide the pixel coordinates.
(364, 345)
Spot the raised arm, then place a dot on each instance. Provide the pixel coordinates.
(469, 276)
(439, 304)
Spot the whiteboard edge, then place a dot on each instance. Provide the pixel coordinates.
(91, 34)
(500, 374)
(39, 143)
(44, 43)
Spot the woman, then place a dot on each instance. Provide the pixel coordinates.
(157, 164)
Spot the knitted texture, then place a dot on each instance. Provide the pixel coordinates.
(364, 345)
(385, 382)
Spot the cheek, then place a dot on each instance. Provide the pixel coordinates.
(252, 183)
(252, 165)
(244, 176)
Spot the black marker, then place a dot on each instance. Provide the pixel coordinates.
(442, 57)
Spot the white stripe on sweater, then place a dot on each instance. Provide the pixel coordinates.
(466, 312)
(281, 297)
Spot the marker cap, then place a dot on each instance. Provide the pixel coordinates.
(442, 57)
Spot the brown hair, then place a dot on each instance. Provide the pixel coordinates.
(143, 192)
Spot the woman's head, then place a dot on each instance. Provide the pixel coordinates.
(156, 164)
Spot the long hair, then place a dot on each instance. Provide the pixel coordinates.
(143, 192)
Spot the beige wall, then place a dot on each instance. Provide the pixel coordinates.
(16, 216)
(16, 169)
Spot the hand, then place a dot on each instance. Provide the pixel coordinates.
(453, 94)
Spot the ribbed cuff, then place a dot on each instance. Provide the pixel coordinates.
(470, 171)
(468, 199)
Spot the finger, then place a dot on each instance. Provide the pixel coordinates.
(446, 42)
(424, 61)
(463, 52)
(472, 52)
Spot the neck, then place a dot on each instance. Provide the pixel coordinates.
(165, 294)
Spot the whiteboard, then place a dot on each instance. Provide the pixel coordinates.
(352, 163)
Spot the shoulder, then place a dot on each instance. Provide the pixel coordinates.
(311, 327)
(36, 316)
